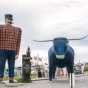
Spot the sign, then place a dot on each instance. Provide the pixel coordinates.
(26, 66)
(27, 58)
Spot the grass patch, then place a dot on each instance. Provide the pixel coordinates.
(21, 81)
(7, 78)
(86, 72)
(17, 78)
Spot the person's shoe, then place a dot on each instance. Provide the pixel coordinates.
(12, 81)
(1, 82)
(50, 81)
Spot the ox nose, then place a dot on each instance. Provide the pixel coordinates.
(60, 56)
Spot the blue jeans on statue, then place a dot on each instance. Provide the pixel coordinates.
(10, 56)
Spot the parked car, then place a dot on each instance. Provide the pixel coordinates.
(77, 70)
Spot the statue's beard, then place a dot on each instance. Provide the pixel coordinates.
(10, 22)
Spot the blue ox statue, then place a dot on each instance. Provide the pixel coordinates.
(61, 54)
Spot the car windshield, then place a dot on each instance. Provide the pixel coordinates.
(77, 68)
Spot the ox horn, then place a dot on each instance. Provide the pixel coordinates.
(52, 40)
(78, 38)
(43, 40)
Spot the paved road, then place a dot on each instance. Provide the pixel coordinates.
(81, 82)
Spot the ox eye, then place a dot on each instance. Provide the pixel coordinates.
(66, 44)
(53, 44)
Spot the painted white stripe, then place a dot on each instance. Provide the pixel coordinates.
(73, 79)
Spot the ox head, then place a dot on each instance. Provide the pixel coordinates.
(60, 45)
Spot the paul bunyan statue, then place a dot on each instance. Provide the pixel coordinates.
(10, 39)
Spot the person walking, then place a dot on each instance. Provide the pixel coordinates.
(39, 73)
(65, 71)
(82, 69)
(46, 70)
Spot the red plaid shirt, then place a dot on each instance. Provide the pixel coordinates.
(10, 38)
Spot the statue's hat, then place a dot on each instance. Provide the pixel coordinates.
(9, 16)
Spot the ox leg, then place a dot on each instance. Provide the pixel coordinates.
(54, 70)
(51, 66)
(68, 72)
(71, 69)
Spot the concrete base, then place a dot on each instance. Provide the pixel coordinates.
(13, 84)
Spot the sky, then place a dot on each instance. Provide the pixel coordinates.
(48, 19)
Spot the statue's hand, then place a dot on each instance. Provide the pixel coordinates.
(16, 57)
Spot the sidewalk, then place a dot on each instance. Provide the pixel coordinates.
(38, 79)
(27, 85)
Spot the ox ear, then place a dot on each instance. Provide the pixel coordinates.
(43, 40)
(78, 38)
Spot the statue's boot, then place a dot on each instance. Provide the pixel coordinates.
(11, 80)
(1, 81)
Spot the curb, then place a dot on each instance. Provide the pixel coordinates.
(39, 79)
(14, 84)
